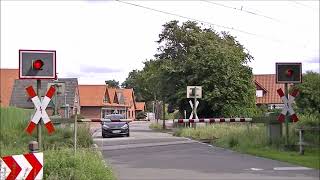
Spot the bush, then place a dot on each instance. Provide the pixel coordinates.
(155, 126)
(79, 116)
(86, 164)
(307, 121)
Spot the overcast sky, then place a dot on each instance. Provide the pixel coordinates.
(101, 40)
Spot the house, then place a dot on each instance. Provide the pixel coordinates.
(7, 78)
(65, 102)
(96, 101)
(141, 107)
(266, 91)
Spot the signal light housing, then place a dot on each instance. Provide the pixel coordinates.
(37, 64)
(288, 73)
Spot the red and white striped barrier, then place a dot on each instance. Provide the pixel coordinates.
(25, 166)
(104, 120)
(212, 120)
(288, 105)
(41, 109)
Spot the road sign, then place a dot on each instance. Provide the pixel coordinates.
(26, 166)
(288, 73)
(287, 106)
(37, 64)
(194, 91)
(40, 109)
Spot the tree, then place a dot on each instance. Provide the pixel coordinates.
(195, 56)
(308, 100)
(191, 55)
(113, 83)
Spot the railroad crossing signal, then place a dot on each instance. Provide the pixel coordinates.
(37, 64)
(194, 92)
(287, 106)
(288, 72)
(41, 109)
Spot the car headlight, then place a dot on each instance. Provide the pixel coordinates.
(125, 126)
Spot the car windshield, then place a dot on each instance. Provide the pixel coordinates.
(114, 116)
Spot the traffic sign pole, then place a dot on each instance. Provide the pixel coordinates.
(287, 117)
(39, 124)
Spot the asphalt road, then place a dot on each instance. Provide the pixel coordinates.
(152, 155)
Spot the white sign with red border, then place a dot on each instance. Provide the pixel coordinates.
(26, 166)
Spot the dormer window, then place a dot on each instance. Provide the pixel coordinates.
(106, 99)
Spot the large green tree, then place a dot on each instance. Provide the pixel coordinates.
(112, 83)
(191, 55)
(308, 100)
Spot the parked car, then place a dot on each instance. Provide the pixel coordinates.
(115, 127)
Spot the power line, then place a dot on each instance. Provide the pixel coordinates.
(241, 9)
(201, 21)
(185, 17)
(301, 4)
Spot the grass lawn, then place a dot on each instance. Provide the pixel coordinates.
(253, 140)
(311, 158)
(59, 160)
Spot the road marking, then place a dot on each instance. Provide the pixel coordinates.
(256, 169)
(291, 168)
(140, 145)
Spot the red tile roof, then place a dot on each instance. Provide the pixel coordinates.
(128, 95)
(93, 95)
(267, 82)
(140, 106)
(7, 77)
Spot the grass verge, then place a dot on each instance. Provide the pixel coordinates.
(252, 140)
(86, 164)
(59, 160)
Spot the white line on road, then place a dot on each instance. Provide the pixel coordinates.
(127, 146)
(256, 169)
(291, 168)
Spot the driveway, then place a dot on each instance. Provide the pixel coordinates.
(153, 155)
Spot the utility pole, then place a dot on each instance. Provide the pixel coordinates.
(39, 124)
(287, 117)
(164, 115)
(75, 130)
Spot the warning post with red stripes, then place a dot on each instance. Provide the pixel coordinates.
(288, 73)
(38, 65)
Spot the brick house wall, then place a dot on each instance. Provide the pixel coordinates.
(91, 111)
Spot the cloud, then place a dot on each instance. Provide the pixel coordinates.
(313, 60)
(72, 75)
(98, 70)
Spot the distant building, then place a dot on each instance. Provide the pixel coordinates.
(96, 101)
(141, 107)
(7, 78)
(266, 91)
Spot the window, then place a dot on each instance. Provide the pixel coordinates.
(105, 100)
(259, 93)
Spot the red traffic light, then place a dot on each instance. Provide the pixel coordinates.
(37, 64)
(289, 72)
